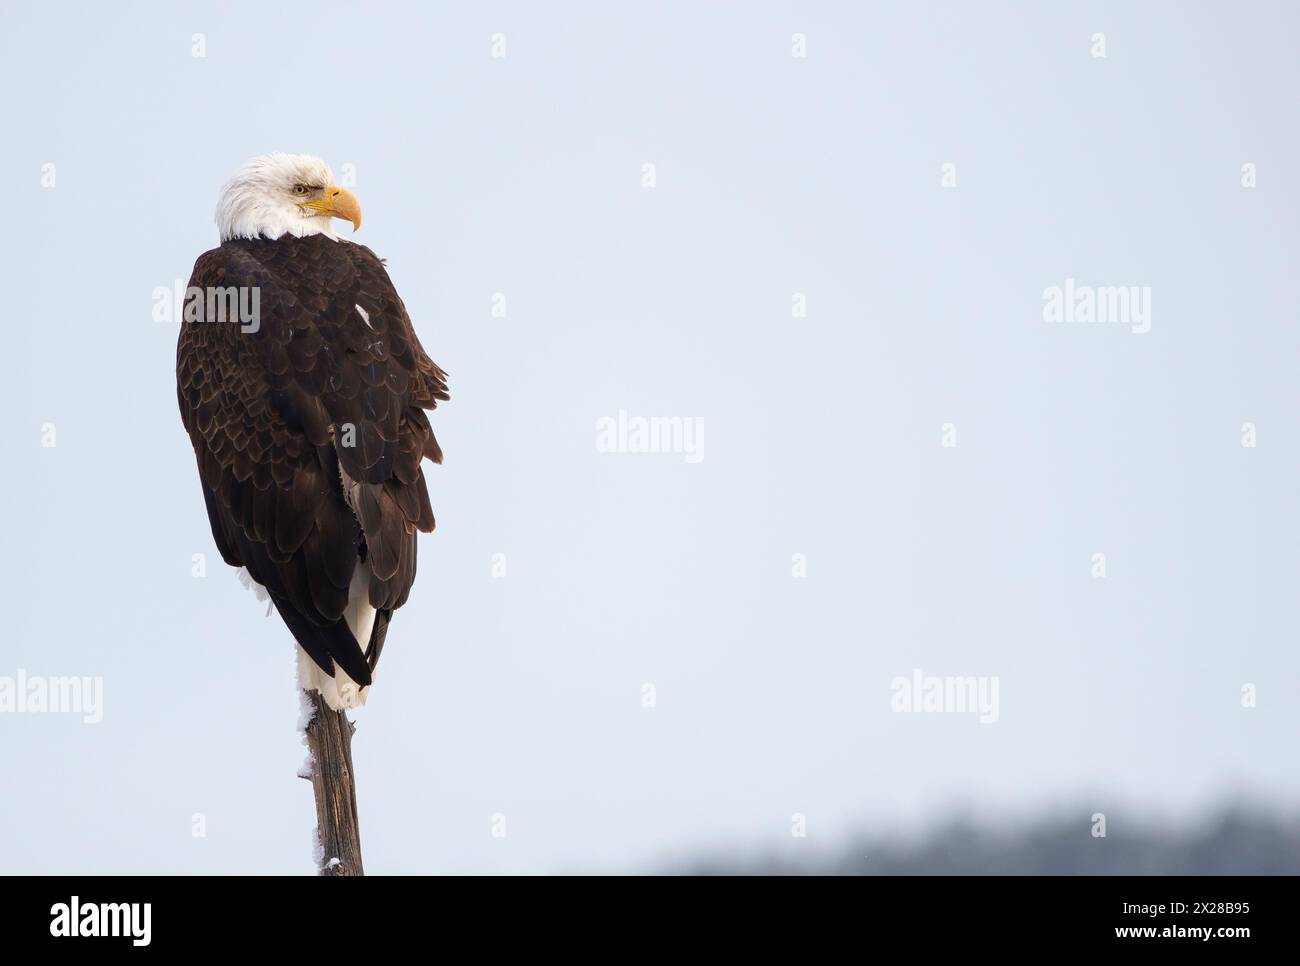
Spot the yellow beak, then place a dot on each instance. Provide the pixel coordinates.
(338, 203)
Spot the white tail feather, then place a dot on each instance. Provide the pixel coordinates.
(339, 690)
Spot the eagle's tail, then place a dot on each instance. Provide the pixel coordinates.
(349, 685)
(338, 690)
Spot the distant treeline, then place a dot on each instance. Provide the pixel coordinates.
(1234, 843)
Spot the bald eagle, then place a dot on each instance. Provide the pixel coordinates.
(307, 420)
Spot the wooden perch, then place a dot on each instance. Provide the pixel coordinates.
(329, 738)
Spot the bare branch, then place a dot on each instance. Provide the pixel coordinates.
(329, 737)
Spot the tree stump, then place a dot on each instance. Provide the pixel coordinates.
(329, 738)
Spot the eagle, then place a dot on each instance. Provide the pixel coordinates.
(307, 416)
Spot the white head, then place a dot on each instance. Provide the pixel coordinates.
(284, 194)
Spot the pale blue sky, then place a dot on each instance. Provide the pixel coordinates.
(775, 175)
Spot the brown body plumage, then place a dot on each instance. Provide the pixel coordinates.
(309, 433)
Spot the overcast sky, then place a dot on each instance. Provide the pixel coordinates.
(799, 274)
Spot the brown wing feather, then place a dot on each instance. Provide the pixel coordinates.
(280, 416)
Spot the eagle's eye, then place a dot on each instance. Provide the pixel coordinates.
(300, 189)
